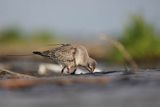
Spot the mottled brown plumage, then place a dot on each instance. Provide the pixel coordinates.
(70, 56)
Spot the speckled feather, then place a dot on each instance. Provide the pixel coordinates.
(63, 54)
(70, 56)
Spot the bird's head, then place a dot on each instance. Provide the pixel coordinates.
(91, 65)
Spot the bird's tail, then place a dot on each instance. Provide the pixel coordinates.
(45, 53)
(37, 52)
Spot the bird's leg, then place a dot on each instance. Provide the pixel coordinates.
(63, 69)
(75, 67)
(74, 70)
(68, 69)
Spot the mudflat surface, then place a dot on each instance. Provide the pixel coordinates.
(108, 88)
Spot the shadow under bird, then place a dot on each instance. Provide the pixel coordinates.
(70, 56)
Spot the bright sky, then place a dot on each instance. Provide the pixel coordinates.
(67, 16)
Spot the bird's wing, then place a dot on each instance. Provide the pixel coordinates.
(60, 44)
(65, 52)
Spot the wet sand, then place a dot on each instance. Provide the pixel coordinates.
(140, 90)
(112, 88)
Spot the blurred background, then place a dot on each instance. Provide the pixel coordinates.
(27, 25)
(119, 34)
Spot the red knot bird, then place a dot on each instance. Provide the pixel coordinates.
(70, 56)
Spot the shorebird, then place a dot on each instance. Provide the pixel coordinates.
(70, 56)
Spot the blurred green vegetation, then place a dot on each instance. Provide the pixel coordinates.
(43, 37)
(14, 35)
(10, 35)
(140, 39)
